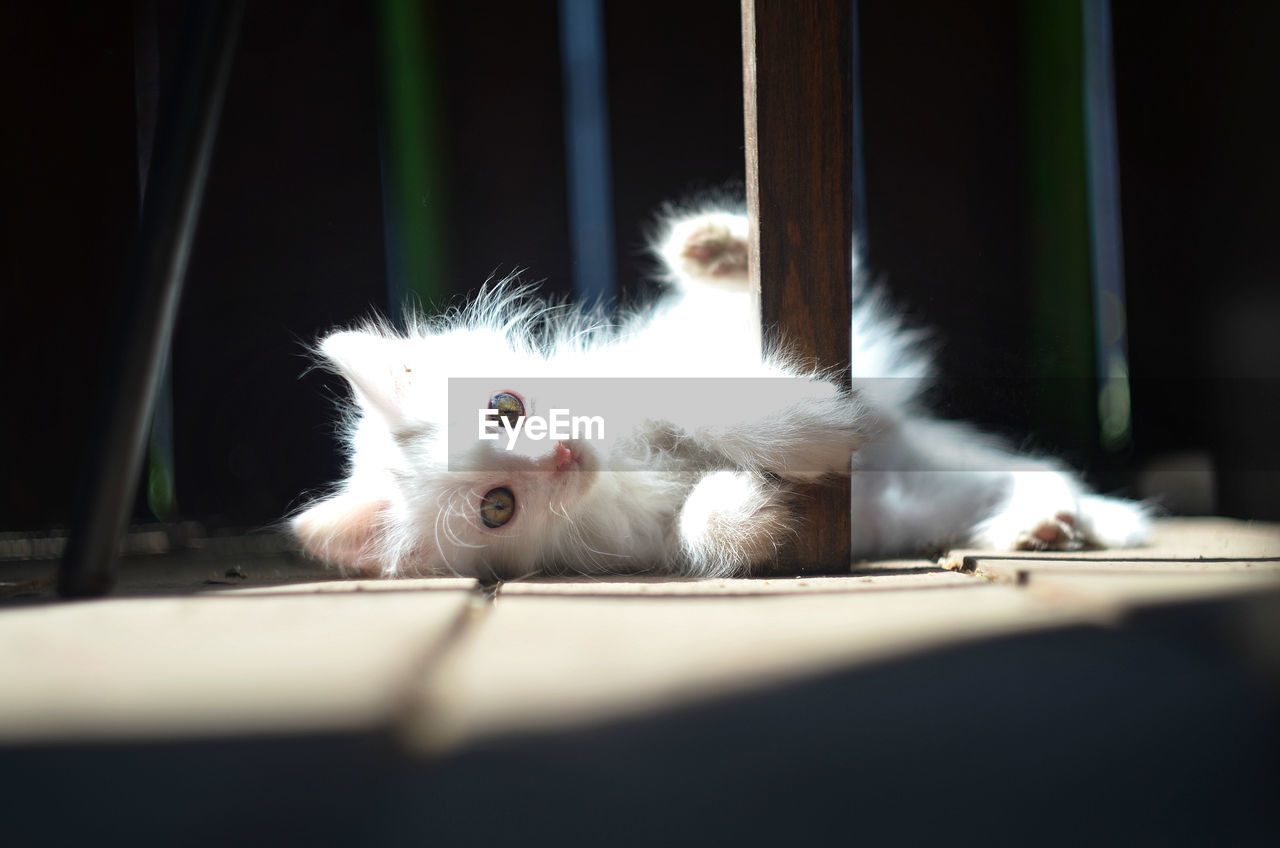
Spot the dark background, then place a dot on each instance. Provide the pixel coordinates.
(291, 237)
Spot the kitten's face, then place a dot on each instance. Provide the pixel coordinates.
(498, 513)
(420, 503)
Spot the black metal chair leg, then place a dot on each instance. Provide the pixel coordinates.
(170, 211)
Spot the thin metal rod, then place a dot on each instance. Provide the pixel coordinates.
(411, 136)
(161, 494)
(858, 165)
(1103, 159)
(586, 121)
(170, 211)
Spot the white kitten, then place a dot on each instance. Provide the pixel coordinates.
(705, 432)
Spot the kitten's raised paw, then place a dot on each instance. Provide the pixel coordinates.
(709, 248)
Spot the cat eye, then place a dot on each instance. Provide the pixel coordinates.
(508, 406)
(497, 507)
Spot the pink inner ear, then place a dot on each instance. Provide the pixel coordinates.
(344, 530)
(376, 366)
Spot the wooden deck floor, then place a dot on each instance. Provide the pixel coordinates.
(193, 649)
(188, 647)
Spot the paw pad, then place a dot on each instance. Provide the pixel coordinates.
(1059, 533)
(712, 248)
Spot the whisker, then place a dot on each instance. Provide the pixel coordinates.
(449, 565)
(451, 512)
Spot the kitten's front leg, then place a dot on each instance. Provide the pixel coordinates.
(797, 428)
(731, 522)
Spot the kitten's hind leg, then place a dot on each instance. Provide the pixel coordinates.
(1114, 522)
(732, 521)
(1040, 512)
(924, 483)
(1051, 511)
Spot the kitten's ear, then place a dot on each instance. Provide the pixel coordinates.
(343, 530)
(377, 366)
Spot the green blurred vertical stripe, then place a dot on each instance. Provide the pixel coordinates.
(413, 178)
(1058, 214)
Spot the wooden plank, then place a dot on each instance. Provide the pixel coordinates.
(798, 94)
(543, 662)
(329, 587)
(1019, 571)
(914, 578)
(1172, 540)
(1139, 589)
(218, 666)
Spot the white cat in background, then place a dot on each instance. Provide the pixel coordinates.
(690, 485)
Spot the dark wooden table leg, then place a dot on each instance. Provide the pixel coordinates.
(798, 78)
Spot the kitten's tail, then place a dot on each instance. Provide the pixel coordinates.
(890, 362)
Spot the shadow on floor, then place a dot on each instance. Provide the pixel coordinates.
(1162, 731)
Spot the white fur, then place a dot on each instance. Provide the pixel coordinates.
(690, 485)
(732, 520)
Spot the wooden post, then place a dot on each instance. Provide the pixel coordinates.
(798, 79)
